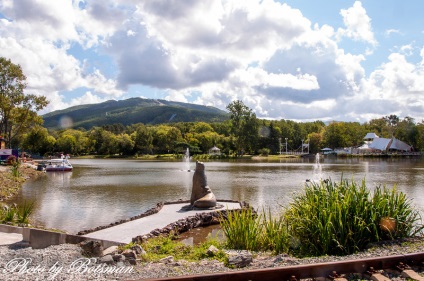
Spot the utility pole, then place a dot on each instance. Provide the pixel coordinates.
(279, 142)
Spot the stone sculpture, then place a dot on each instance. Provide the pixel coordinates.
(201, 194)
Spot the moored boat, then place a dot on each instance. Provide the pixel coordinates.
(59, 165)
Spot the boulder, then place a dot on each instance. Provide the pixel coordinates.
(169, 259)
(108, 259)
(110, 250)
(212, 251)
(92, 248)
(240, 260)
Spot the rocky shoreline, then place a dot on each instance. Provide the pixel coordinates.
(66, 262)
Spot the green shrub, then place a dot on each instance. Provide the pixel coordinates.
(15, 166)
(276, 236)
(17, 214)
(243, 230)
(24, 211)
(164, 246)
(342, 218)
(264, 151)
(8, 214)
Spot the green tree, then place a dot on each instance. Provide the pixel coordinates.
(392, 121)
(420, 137)
(379, 127)
(315, 142)
(66, 143)
(38, 140)
(201, 127)
(166, 137)
(143, 139)
(407, 131)
(74, 142)
(344, 134)
(125, 144)
(244, 126)
(18, 112)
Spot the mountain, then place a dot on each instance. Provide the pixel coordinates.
(131, 111)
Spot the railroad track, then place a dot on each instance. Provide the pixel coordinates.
(377, 269)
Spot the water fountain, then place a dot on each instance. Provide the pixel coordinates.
(317, 168)
(186, 161)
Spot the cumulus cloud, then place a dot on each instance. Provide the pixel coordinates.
(389, 32)
(265, 53)
(39, 35)
(358, 24)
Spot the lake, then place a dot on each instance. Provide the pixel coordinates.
(101, 191)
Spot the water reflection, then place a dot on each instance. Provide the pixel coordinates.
(100, 191)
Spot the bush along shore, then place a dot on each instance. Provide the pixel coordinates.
(329, 218)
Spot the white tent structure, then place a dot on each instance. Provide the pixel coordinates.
(384, 144)
(400, 145)
(370, 136)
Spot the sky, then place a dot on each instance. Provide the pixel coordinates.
(300, 60)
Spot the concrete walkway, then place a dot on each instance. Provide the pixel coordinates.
(123, 233)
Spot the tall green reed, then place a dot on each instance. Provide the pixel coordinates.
(341, 218)
(24, 212)
(247, 230)
(243, 230)
(17, 213)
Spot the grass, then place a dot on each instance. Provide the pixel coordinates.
(17, 214)
(245, 230)
(164, 246)
(328, 218)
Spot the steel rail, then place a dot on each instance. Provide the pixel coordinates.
(307, 270)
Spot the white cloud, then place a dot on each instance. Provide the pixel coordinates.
(262, 52)
(87, 98)
(358, 24)
(38, 35)
(399, 85)
(389, 32)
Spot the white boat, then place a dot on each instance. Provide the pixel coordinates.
(59, 165)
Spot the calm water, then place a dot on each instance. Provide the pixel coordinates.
(99, 191)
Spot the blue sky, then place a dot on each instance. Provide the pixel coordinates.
(299, 60)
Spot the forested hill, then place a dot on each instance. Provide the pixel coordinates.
(131, 111)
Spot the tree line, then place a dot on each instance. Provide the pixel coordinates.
(246, 135)
(243, 133)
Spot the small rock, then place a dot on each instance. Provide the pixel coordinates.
(138, 249)
(129, 254)
(92, 248)
(110, 251)
(281, 258)
(169, 259)
(108, 259)
(118, 258)
(212, 251)
(240, 260)
(132, 261)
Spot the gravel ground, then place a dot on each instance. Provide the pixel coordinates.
(65, 262)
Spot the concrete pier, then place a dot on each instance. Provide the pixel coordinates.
(123, 233)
